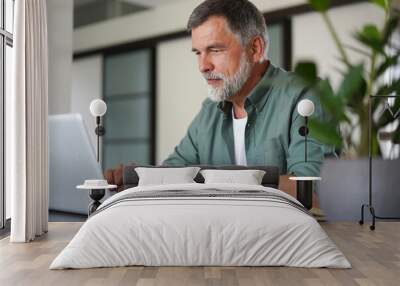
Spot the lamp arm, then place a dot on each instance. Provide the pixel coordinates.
(98, 138)
(98, 147)
(100, 131)
(305, 139)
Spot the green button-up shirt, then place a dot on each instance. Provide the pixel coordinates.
(272, 132)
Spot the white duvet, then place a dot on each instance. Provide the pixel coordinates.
(200, 231)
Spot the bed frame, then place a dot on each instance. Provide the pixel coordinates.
(130, 178)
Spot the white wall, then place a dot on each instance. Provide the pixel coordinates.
(60, 31)
(312, 40)
(86, 86)
(72, 86)
(180, 92)
(159, 21)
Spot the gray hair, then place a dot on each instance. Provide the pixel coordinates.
(242, 16)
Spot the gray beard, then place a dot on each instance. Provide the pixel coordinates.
(231, 85)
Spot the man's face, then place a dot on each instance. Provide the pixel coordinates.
(221, 58)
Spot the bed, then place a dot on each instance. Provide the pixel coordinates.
(201, 224)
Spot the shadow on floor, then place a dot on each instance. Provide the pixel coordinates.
(57, 216)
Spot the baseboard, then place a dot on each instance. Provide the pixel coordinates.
(66, 213)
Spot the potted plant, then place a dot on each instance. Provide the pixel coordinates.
(348, 109)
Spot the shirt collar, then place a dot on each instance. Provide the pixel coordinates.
(257, 96)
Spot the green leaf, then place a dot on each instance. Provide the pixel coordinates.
(319, 5)
(390, 26)
(381, 3)
(371, 37)
(388, 89)
(307, 71)
(351, 87)
(331, 103)
(325, 132)
(387, 63)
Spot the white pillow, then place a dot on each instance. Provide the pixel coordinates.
(163, 176)
(248, 177)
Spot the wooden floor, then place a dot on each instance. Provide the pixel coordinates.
(375, 257)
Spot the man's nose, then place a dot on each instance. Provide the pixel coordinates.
(205, 64)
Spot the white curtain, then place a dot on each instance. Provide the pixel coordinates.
(27, 152)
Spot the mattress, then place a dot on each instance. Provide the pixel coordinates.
(201, 225)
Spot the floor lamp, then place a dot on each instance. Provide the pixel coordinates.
(370, 202)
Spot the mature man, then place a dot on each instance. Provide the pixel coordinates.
(250, 117)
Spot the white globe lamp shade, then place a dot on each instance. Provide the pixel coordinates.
(98, 107)
(305, 108)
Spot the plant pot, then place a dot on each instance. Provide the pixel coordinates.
(344, 188)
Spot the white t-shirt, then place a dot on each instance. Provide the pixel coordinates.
(239, 127)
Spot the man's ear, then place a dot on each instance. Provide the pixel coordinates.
(257, 47)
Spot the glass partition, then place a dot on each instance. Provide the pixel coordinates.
(127, 92)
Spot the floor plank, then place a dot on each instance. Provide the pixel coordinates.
(375, 257)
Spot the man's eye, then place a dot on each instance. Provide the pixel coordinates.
(216, 50)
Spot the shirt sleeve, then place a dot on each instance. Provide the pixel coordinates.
(186, 152)
(316, 151)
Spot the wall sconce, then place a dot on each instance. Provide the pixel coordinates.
(305, 108)
(98, 108)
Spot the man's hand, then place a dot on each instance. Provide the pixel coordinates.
(114, 176)
(287, 185)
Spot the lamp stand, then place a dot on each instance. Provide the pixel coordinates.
(304, 192)
(96, 195)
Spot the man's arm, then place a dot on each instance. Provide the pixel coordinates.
(186, 153)
(316, 151)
